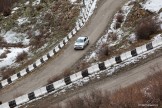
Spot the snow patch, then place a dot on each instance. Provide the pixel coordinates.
(36, 2)
(22, 21)
(13, 37)
(10, 59)
(153, 5)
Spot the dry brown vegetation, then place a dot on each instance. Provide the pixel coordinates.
(4, 54)
(20, 57)
(103, 52)
(5, 7)
(148, 92)
(146, 27)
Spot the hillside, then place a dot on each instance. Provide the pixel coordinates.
(32, 27)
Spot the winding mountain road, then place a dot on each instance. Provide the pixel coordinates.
(67, 57)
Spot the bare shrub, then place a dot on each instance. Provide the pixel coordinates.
(4, 54)
(103, 52)
(38, 41)
(119, 18)
(117, 25)
(20, 57)
(146, 27)
(120, 11)
(6, 11)
(6, 73)
(114, 36)
(0, 102)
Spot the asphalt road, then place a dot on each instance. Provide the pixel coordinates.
(67, 57)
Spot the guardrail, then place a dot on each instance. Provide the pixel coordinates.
(84, 14)
(82, 74)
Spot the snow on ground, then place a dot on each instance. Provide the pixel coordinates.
(13, 37)
(10, 59)
(153, 5)
(36, 2)
(22, 21)
(27, 2)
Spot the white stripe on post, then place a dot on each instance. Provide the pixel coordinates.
(14, 77)
(31, 67)
(45, 58)
(4, 82)
(139, 50)
(43, 90)
(66, 40)
(5, 105)
(38, 93)
(128, 54)
(51, 53)
(112, 61)
(143, 47)
(59, 83)
(23, 72)
(70, 35)
(107, 63)
(38, 63)
(19, 100)
(57, 48)
(61, 44)
(76, 76)
(25, 98)
(154, 43)
(123, 56)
